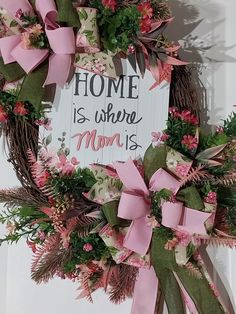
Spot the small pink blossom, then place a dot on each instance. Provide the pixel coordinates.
(234, 158)
(171, 244)
(183, 237)
(158, 138)
(46, 123)
(219, 130)
(19, 14)
(152, 222)
(65, 166)
(74, 161)
(191, 142)
(87, 247)
(131, 49)
(211, 198)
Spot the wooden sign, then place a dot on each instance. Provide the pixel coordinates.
(106, 119)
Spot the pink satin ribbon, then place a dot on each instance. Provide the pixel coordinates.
(135, 203)
(61, 40)
(145, 292)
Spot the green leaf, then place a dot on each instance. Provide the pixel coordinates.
(13, 23)
(154, 159)
(191, 198)
(210, 152)
(110, 211)
(83, 14)
(48, 139)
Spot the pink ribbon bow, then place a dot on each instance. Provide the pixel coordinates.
(135, 203)
(61, 41)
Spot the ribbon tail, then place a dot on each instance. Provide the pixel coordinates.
(139, 236)
(6, 46)
(199, 291)
(56, 76)
(188, 301)
(29, 59)
(145, 292)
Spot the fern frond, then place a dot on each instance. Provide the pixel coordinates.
(122, 283)
(218, 241)
(50, 264)
(193, 270)
(228, 179)
(196, 175)
(85, 284)
(48, 245)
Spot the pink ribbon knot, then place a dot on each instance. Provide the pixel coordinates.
(135, 203)
(61, 41)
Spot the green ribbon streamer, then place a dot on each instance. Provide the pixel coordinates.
(67, 13)
(199, 290)
(12, 71)
(110, 211)
(32, 89)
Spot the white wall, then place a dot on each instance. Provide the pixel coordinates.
(217, 29)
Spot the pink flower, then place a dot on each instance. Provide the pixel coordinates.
(158, 138)
(190, 141)
(65, 166)
(219, 130)
(173, 111)
(87, 247)
(74, 161)
(234, 158)
(109, 4)
(19, 14)
(183, 237)
(131, 49)
(182, 169)
(145, 25)
(3, 115)
(211, 198)
(145, 9)
(214, 289)
(188, 117)
(68, 169)
(20, 109)
(46, 123)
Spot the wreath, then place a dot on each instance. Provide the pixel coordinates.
(134, 228)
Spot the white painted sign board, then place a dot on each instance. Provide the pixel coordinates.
(107, 120)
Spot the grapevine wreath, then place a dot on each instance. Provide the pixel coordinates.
(133, 228)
